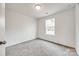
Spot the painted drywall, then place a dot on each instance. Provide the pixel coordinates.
(65, 32)
(2, 28)
(19, 27)
(77, 28)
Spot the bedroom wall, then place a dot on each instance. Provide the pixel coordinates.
(65, 28)
(19, 27)
(77, 28)
(2, 28)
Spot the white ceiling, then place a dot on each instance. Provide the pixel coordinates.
(46, 8)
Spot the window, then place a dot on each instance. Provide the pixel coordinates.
(50, 26)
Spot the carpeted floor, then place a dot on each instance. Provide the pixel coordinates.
(39, 48)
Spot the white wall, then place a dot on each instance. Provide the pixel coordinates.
(77, 28)
(2, 28)
(19, 28)
(65, 28)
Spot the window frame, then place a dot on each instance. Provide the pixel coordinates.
(49, 24)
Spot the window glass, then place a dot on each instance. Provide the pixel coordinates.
(50, 26)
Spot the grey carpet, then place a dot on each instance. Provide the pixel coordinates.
(39, 48)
